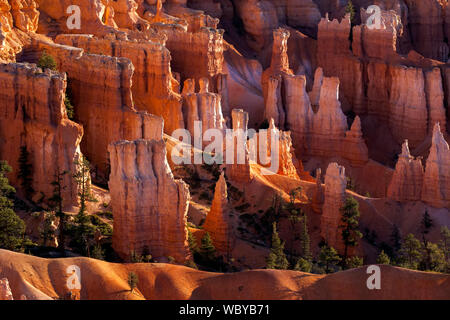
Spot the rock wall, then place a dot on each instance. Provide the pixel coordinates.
(153, 85)
(33, 115)
(101, 94)
(436, 182)
(217, 221)
(149, 205)
(407, 181)
(5, 290)
(334, 197)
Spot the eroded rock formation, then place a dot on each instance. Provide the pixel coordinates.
(334, 197)
(217, 221)
(149, 205)
(33, 116)
(5, 290)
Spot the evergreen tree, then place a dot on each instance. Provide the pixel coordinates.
(277, 259)
(98, 252)
(349, 225)
(425, 227)
(82, 178)
(133, 280)
(26, 172)
(47, 231)
(444, 244)
(57, 203)
(304, 240)
(410, 252)
(350, 9)
(192, 241)
(383, 258)
(47, 61)
(207, 249)
(436, 258)
(12, 228)
(328, 258)
(303, 265)
(354, 262)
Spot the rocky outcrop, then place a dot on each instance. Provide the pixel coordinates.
(435, 99)
(334, 197)
(336, 60)
(426, 21)
(148, 204)
(25, 15)
(54, 19)
(33, 116)
(217, 221)
(354, 147)
(203, 106)
(436, 182)
(408, 106)
(153, 83)
(101, 93)
(126, 15)
(5, 290)
(318, 195)
(406, 183)
(238, 168)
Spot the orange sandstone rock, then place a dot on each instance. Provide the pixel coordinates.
(406, 183)
(149, 205)
(217, 221)
(5, 290)
(334, 196)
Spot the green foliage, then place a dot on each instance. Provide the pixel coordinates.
(277, 259)
(191, 264)
(26, 172)
(56, 202)
(410, 253)
(12, 228)
(444, 244)
(396, 240)
(434, 258)
(47, 231)
(349, 225)
(193, 247)
(354, 262)
(47, 61)
(329, 258)
(350, 8)
(207, 249)
(303, 265)
(133, 280)
(426, 225)
(69, 108)
(383, 258)
(82, 178)
(305, 242)
(97, 252)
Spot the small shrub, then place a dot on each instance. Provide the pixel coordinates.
(47, 61)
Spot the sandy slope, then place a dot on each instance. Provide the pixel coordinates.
(39, 278)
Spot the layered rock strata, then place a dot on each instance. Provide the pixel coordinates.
(149, 205)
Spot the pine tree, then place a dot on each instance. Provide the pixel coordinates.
(354, 262)
(304, 240)
(26, 172)
(350, 9)
(303, 265)
(47, 61)
(383, 258)
(410, 252)
(133, 280)
(192, 241)
(425, 227)
(444, 244)
(47, 231)
(349, 225)
(57, 203)
(436, 258)
(277, 259)
(12, 228)
(329, 258)
(207, 249)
